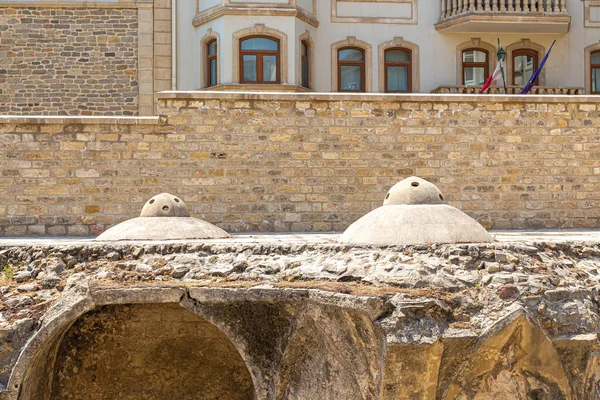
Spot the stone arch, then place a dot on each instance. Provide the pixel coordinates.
(475, 42)
(352, 41)
(305, 37)
(520, 45)
(588, 69)
(398, 42)
(260, 29)
(33, 375)
(209, 37)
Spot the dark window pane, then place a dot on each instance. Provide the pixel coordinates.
(260, 44)
(269, 67)
(213, 72)
(595, 58)
(474, 76)
(250, 68)
(351, 77)
(212, 48)
(350, 55)
(304, 49)
(397, 56)
(595, 79)
(474, 56)
(397, 79)
(305, 72)
(524, 68)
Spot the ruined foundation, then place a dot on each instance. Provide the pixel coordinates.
(292, 317)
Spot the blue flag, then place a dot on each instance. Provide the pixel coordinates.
(536, 74)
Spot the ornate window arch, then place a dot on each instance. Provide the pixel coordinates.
(259, 30)
(524, 46)
(589, 50)
(209, 38)
(475, 43)
(352, 42)
(306, 39)
(398, 43)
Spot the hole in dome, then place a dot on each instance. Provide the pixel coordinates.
(441, 197)
(414, 184)
(176, 200)
(387, 196)
(152, 201)
(165, 208)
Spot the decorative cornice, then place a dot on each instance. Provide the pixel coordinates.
(219, 11)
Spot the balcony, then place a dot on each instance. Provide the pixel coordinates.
(504, 16)
(538, 90)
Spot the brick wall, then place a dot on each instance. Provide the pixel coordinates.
(68, 61)
(305, 162)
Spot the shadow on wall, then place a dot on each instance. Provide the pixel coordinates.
(141, 351)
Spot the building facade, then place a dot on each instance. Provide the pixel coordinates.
(385, 46)
(111, 57)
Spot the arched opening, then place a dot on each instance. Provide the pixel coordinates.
(149, 351)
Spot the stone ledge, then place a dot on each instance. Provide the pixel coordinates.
(73, 4)
(45, 119)
(414, 97)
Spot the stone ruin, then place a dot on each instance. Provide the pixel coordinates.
(301, 317)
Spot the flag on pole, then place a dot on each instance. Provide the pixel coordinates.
(536, 74)
(497, 73)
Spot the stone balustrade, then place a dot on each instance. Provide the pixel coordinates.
(539, 90)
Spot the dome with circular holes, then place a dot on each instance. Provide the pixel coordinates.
(163, 217)
(415, 212)
(414, 190)
(165, 205)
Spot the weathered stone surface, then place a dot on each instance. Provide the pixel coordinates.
(154, 351)
(413, 190)
(283, 324)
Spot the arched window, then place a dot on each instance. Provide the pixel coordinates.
(475, 66)
(305, 64)
(398, 70)
(259, 57)
(211, 63)
(351, 69)
(525, 62)
(595, 68)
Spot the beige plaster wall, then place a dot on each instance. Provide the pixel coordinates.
(437, 51)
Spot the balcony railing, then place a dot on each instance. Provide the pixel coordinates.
(451, 8)
(504, 16)
(540, 90)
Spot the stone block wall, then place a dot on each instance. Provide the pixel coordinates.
(305, 162)
(68, 61)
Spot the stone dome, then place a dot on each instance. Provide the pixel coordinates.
(414, 190)
(163, 217)
(414, 212)
(165, 205)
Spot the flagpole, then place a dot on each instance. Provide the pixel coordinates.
(501, 54)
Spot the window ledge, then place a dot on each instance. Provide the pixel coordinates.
(243, 87)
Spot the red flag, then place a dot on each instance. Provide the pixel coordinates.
(493, 77)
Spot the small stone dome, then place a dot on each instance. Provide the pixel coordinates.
(165, 205)
(413, 190)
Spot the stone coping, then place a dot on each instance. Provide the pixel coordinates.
(303, 238)
(412, 97)
(46, 119)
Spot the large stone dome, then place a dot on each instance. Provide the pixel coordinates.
(414, 212)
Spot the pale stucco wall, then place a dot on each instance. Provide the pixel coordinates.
(437, 50)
